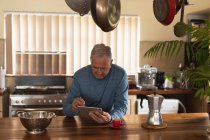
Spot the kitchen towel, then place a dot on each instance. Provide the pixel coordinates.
(2, 78)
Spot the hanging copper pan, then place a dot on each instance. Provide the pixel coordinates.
(164, 10)
(106, 13)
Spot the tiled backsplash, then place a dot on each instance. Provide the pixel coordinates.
(163, 64)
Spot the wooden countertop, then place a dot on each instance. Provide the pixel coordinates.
(191, 126)
(160, 91)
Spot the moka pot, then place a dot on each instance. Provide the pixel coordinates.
(154, 104)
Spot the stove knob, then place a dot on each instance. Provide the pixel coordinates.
(50, 101)
(44, 101)
(39, 101)
(17, 102)
(55, 101)
(60, 101)
(22, 101)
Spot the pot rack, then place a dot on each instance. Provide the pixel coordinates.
(164, 10)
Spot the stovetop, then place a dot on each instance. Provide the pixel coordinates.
(38, 96)
(39, 90)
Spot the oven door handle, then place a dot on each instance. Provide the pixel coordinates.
(34, 109)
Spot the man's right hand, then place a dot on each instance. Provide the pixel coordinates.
(77, 102)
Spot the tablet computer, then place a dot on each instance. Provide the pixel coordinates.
(84, 111)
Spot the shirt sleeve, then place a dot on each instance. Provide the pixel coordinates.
(121, 99)
(73, 93)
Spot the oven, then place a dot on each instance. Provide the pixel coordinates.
(38, 93)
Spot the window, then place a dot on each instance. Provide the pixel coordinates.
(42, 44)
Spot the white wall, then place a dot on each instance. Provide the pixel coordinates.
(151, 29)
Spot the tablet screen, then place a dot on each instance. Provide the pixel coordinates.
(84, 111)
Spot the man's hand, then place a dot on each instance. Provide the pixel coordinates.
(77, 102)
(100, 117)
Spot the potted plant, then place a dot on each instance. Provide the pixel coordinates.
(197, 53)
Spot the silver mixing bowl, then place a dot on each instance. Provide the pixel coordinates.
(36, 122)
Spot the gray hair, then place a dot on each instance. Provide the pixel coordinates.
(101, 50)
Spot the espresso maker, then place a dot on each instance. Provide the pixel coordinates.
(147, 78)
(154, 104)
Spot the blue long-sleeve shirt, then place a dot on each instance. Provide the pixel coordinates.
(109, 93)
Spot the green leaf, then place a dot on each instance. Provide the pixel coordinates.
(167, 48)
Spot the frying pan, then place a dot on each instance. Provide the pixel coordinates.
(164, 10)
(80, 6)
(106, 13)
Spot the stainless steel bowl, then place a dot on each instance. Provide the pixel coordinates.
(36, 122)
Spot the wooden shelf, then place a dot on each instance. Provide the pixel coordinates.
(160, 91)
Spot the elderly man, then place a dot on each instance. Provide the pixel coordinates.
(101, 84)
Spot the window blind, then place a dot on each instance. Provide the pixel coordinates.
(40, 43)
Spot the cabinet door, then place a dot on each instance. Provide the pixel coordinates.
(129, 107)
(131, 104)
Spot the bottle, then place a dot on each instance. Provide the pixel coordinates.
(180, 76)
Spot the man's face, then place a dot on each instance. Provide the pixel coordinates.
(100, 66)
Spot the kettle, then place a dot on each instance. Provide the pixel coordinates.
(154, 104)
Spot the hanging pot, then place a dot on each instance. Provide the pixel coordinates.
(164, 10)
(180, 27)
(80, 6)
(106, 13)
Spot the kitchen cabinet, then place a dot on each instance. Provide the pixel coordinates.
(4, 103)
(186, 96)
(131, 104)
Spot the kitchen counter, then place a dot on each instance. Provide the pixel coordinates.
(160, 91)
(191, 126)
